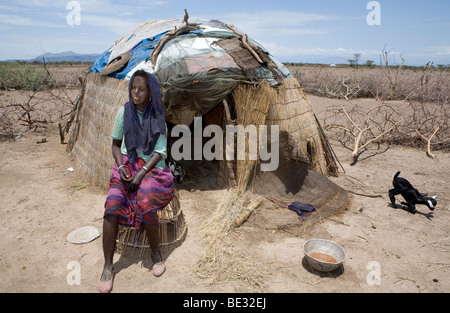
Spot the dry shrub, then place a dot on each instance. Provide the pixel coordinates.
(427, 84)
(22, 75)
(415, 124)
(424, 92)
(424, 125)
(356, 127)
(18, 118)
(49, 94)
(35, 111)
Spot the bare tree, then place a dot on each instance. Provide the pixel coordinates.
(357, 57)
(361, 127)
(430, 122)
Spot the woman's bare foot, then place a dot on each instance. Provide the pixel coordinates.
(107, 273)
(158, 264)
(106, 280)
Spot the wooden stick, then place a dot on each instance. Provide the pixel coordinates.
(429, 141)
(227, 112)
(245, 43)
(172, 34)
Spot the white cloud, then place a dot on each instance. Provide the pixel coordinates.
(289, 51)
(298, 31)
(108, 7)
(278, 22)
(18, 20)
(436, 54)
(276, 18)
(119, 26)
(117, 18)
(441, 50)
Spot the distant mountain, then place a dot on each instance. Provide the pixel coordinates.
(68, 56)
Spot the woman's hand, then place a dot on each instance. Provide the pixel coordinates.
(124, 175)
(136, 181)
(117, 154)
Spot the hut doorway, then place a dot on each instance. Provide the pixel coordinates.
(204, 173)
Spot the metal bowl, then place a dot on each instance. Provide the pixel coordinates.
(327, 247)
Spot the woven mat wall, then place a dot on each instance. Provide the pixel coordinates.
(103, 96)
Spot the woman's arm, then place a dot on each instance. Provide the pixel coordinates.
(156, 157)
(117, 154)
(159, 153)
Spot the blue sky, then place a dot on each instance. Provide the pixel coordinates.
(324, 31)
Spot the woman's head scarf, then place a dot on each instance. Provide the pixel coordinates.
(143, 136)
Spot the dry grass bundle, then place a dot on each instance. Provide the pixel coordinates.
(231, 212)
(289, 108)
(252, 104)
(220, 261)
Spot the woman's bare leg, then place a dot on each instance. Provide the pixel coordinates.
(110, 229)
(157, 258)
(153, 239)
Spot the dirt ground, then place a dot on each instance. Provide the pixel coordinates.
(388, 250)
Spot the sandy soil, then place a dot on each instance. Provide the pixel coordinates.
(41, 202)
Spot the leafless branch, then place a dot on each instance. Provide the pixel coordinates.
(364, 127)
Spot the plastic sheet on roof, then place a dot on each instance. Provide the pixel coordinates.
(198, 68)
(147, 37)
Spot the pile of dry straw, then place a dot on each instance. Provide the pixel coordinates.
(220, 261)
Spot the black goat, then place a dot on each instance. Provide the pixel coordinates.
(411, 195)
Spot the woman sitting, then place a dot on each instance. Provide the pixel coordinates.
(141, 183)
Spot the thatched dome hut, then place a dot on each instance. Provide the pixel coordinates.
(199, 65)
(211, 70)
